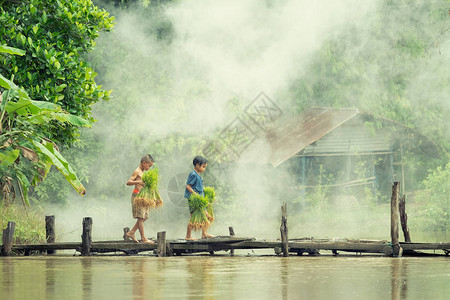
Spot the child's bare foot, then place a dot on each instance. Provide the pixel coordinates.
(190, 239)
(147, 241)
(207, 236)
(131, 236)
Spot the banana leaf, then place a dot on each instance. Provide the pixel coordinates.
(52, 156)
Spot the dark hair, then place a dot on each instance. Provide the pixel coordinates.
(199, 160)
(147, 158)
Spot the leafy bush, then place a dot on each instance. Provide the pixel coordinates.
(30, 227)
(435, 200)
(55, 35)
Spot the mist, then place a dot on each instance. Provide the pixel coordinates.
(172, 95)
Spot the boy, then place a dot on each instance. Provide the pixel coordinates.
(194, 184)
(139, 213)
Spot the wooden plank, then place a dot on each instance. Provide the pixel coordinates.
(86, 237)
(378, 247)
(45, 247)
(218, 240)
(252, 244)
(353, 246)
(7, 238)
(343, 246)
(425, 246)
(144, 246)
(50, 231)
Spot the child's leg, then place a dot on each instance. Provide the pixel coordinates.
(205, 234)
(131, 233)
(140, 224)
(204, 229)
(188, 232)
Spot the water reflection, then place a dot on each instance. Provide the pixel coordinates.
(86, 277)
(284, 270)
(399, 280)
(8, 278)
(205, 277)
(147, 277)
(50, 277)
(200, 280)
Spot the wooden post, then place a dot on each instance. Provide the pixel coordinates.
(7, 238)
(50, 231)
(395, 219)
(404, 218)
(284, 231)
(126, 238)
(161, 247)
(86, 237)
(231, 230)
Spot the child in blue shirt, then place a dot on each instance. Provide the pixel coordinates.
(194, 184)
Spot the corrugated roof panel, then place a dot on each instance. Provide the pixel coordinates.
(348, 139)
(291, 137)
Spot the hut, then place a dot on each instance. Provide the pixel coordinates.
(347, 151)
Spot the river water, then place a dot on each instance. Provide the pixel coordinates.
(224, 277)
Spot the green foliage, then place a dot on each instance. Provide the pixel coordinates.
(198, 204)
(25, 153)
(55, 35)
(435, 200)
(202, 209)
(54, 188)
(151, 178)
(30, 227)
(149, 195)
(210, 196)
(318, 197)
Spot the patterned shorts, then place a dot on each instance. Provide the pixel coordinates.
(138, 212)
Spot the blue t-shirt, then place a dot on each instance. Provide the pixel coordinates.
(196, 182)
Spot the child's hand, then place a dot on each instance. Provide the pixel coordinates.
(140, 184)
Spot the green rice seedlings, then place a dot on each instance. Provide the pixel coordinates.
(198, 219)
(148, 196)
(210, 196)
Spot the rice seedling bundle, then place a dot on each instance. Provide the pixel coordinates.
(148, 196)
(200, 204)
(210, 196)
(198, 219)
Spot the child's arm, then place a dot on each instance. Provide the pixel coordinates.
(190, 189)
(134, 180)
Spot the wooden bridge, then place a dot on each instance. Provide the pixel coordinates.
(229, 243)
(284, 246)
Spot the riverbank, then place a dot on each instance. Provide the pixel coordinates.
(30, 226)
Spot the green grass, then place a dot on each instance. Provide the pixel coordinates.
(30, 223)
